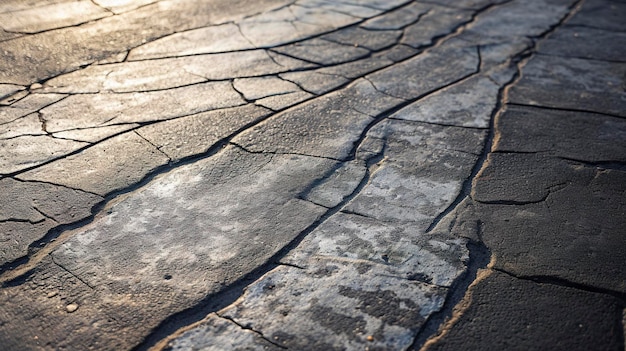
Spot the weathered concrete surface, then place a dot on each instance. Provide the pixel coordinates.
(312, 174)
(562, 317)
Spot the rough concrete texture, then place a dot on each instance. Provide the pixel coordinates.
(312, 175)
(535, 311)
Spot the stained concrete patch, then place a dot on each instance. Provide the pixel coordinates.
(369, 309)
(420, 173)
(403, 250)
(216, 212)
(150, 247)
(525, 315)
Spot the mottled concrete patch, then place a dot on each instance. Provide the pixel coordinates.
(337, 304)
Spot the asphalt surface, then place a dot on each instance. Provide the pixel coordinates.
(312, 175)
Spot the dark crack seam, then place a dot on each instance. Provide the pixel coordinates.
(479, 254)
(258, 333)
(552, 280)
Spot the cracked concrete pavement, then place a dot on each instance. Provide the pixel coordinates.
(312, 175)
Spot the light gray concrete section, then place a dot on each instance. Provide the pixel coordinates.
(165, 248)
(337, 304)
(93, 110)
(50, 16)
(227, 335)
(104, 167)
(195, 134)
(113, 35)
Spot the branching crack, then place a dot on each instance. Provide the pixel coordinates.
(70, 272)
(169, 159)
(248, 327)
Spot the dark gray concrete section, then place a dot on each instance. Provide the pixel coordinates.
(572, 83)
(549, 202)
(506, 313)
(587, 43)
(570, 230)
(587, 137)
